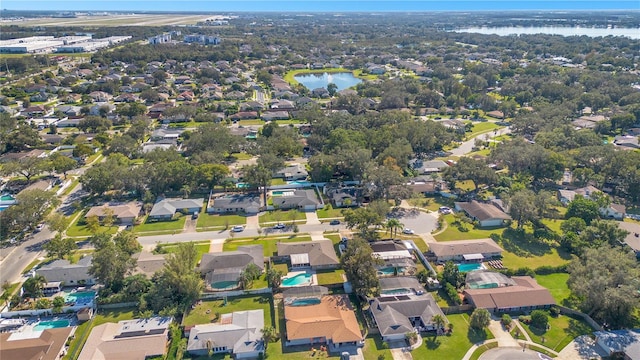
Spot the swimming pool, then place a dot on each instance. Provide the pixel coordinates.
(304, 302)
(299, 183)
(390, 270)
(396, 291)
(469, 267)
(282, 193)
(79, 297)
(52, 324)
(299, 279)
(224, 285)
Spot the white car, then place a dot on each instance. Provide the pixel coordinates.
(408, 231)
(279, 226)
(445, 210)
(237, 228)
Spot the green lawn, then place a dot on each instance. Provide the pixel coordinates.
(327, 277)
(173, 225)
(452, 346)
(482, 127)
(241, 156)
(206, 310)
(373, 348)
(269, 244)
(82, 230)
(285, 216)
(562, 330)
(278, 181)
(482, 349)
(251, 122)
(557, 285)
(453, 233)
(102, 317)
(219, 221)
(329, 212)
(432, 203)
(524, 250)
(202, 247)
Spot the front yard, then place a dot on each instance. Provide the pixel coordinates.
(282, 216)
(77, 230)
(562, 330)
(202, 247)
(175, 225)
(452, 232)
(210, 222)
(328, 212)
(452, 346)
(269, 244)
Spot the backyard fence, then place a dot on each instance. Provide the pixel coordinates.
(585, 317)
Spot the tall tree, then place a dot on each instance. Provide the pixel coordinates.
(59, 247)
(603, 280)
(33, 286)
(360, 265)
(480, 319)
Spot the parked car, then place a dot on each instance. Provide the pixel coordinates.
(279, 226)
(445, 210)
(195, 215)
(237, 228)
(408, 231)
(39, 228)
(334, 222)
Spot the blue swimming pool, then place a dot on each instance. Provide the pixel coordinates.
(53, 324)
(396, 291)
(224, 285)
(304, 302)
(469, 267)
(79, 297)
(300, 279)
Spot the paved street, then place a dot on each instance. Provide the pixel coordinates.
(512, 354)
(467, 146)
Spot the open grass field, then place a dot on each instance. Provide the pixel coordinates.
(481, 128)
(76, 230)
(557, 285)
(453, 233)
(562, 330)
(114, 20)
(269, 244)
(83, 331)
(452, 346)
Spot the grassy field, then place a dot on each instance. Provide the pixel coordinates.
(169, 225)
(481, 128)
(206, 310)
(562, 330)
(219, 221)
(102, 317)
(241, 156)
(432, 203)
(284, 216)
(269, 244)
(522, 249)
(453, 233)
(557, 285)
(252, 122)
(329, 212)
(452, 346)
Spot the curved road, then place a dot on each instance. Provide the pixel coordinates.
(467, 146)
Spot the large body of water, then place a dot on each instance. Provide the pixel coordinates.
(554, 30)
(343, 80)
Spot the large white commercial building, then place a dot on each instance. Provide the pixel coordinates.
(65, 44)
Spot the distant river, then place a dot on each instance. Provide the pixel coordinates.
(554, 30)
(343, 80)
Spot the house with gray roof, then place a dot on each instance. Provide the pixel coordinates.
(238, 333)
(396, 315)
(464, 250)
(297, 199)
(67, 273)
(235, 203)
(344, 196)
(487, 215)
(292, 172)
(620, 344)
(226, 267)
(164, 209)
(318, 254)
(428, 167)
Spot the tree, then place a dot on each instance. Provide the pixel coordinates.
(480, 319)
(469, 168)
(439, 321)
(451, 274)
(30, 209)
(62, 164)
(361, 219)
(250, 273)
(92, 224)
(94, 124)
(131, 110)
(27, 167)
(522, 207)
(539, 319)
(602, 279)
(112, 260)
(269, 335)
(360, 267)
(274, 278)
(58, 303)
(59, 247)
(257, 177)
(332, 89)
(33, 286)
(393, 225)
(583, 208)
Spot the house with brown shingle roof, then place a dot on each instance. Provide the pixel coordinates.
(330, 321)
(123, 213)
(487, 215)
(318, 254)
(464, 250)
(45, 345)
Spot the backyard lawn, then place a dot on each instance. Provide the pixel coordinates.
(208, 221)
(269, 244)
(452, 346)
(562, 330)
(102, 316)
(206, 310)
(557, 285)
(169, 225)
(328, 277)
(284, 216)
(453, 233)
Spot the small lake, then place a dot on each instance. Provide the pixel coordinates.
(554, 30)
(343, 80)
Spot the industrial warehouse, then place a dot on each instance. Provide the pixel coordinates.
(65, 44)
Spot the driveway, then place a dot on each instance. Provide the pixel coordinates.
(582, 347)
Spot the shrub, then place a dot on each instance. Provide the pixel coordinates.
(452, 293)
(547, 269)
(554, 311)
(506, 320)
(539, 319)
(524, 319)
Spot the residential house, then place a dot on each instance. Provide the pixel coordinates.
(282, 104)
(620, 344)
(633, 235)
(124, 214)
(244, 115)
(498, 293)
(396, 315)
(238, 333)
(67, 273)
(164, 209)
(226, 267)
(185, 96)
(330, 321)
(428, 187)
(49, 344)
(69, 110)
(567, 196)
(274, 115)
(297, 199)
(614, 211)
(166, 134)
(487, 215)
(627, 141)
(292, 172)
(96, 108)
(251, 106)
(316, 255)
(320, 93)
(148, 263)
(128, 98)
(428, 167)
(35, 110)
(235, 203)
(136, 339)
(99, 96)
(344, 196)
(464, 250)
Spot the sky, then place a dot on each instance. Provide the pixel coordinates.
(317, 5)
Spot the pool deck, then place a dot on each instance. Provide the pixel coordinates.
(28, 331)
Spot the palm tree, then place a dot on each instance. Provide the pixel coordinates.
(33, 286)
(268, 335)
(186, 190)
(438, 321)
(393, 225)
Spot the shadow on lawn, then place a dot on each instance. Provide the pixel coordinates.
(521, 243)
(432, 343)
(476, 336)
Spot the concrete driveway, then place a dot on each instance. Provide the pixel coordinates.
(416, 220)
